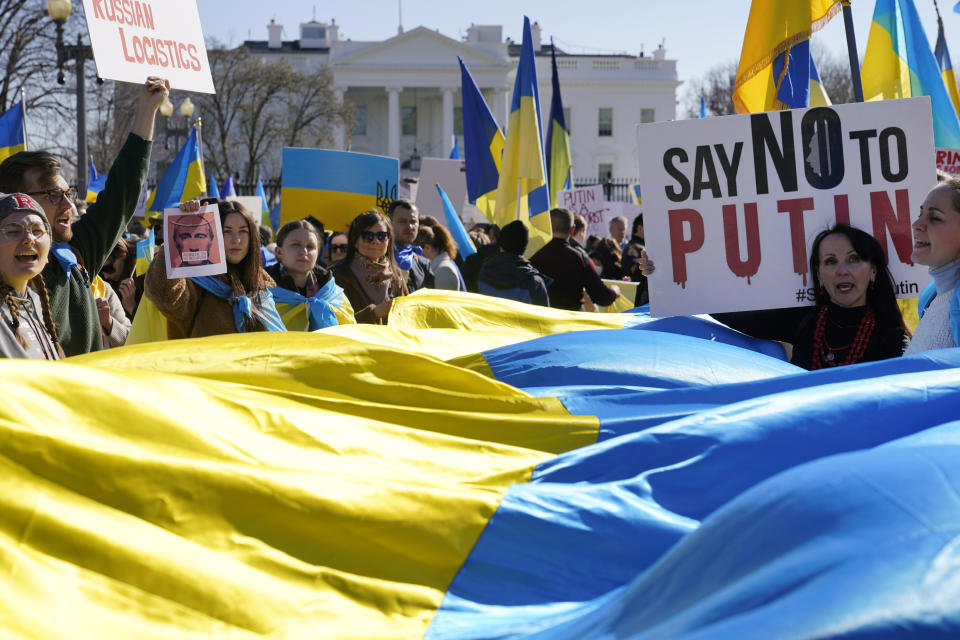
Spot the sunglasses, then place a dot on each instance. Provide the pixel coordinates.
(54, 196)
(339, 247)
(379, 236)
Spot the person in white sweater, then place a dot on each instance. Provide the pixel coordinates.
(936, 243)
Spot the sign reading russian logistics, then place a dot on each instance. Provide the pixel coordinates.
(133, 39)
(732, 204)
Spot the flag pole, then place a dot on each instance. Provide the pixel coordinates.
(852, 51)
(203, 169)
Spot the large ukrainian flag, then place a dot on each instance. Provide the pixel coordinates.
(522, 192)
(900, 64)
(183, 179)
(774, 69)
(479, 469)
(12, 131)
(335, 186)
(482, 145)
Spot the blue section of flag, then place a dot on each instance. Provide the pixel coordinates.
(330, 170)
(455, 152)
(275, 217)
(11, 126)
(480, 131)
(793, 82)
(703, 107)
(778, 505)
(228, 189)
(455, 225)
(212, 190)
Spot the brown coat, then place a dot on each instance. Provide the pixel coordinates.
(363, 307)
(191, 311)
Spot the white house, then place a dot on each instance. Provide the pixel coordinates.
(406, 90)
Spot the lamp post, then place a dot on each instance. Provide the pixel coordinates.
(59, 11)
(186, 112)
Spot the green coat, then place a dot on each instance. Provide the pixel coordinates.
(95, 234)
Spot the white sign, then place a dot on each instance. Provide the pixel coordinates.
(448, 174)
(589, 203)
(133, 39)
(193, 242)
(732, 204)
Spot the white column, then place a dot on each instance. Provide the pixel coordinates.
(501, 109)
(339, 131)
(447, 120)
(393, 122)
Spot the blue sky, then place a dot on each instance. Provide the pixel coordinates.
(697, 33)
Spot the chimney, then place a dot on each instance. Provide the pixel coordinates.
(535, 36)
(660, 53)
(274, 35)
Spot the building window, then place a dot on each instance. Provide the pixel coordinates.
(360, 120)
(458, 121)
(314, 33)
(567, 119)
(605, 171)
(605, 121)
(647, 115)
(408, 121)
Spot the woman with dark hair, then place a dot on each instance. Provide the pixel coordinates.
(118, 272)
(936, 243)
(856, 317)
(440, 249)
(606, 254)
(233, 302)
(368, 274)
(336, 248)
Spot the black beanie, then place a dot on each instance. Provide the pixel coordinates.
(514, 238)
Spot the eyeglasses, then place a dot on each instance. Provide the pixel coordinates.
(13, 232)
(342, 247)
(54, 196)
(379, 236)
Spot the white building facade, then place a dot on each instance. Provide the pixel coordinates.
(406, 91)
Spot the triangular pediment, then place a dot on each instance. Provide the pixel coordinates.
(420, 47)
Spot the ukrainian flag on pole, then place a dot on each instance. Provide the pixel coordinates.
(559, 163)
(95, 183)
(264, 209)
(13, 136)
(900, 64)
(774, 70)
(522, 190)
(946, 66)
(183, 180)
(482, 145)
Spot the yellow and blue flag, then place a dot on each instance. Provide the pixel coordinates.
(264, 209)
(212, 189)
(182, 180)
(774, 68)
(522, 192)
(95, 183)
(455, 225)
(13, 137)
(335, 186)
(899, 63)
(228, 189)
(946, 66)
(479, 468)
(145, 249)
(559, 163)
(818, 95)
(482, 145)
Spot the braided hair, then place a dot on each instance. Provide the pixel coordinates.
(13, 304)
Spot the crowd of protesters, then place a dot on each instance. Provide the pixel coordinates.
(69, 282)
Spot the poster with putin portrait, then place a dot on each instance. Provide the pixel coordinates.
(193, 243)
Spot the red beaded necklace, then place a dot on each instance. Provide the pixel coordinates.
(823, 353)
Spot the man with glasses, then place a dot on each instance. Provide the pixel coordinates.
(81, 247)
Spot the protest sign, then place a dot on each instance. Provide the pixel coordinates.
(589, 203)
(449, 174)
(948, 160)
(134, 39)
(335, 186)
(193, 243)
(732, 204)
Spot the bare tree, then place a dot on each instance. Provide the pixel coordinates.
(716, 88)
(834, 71)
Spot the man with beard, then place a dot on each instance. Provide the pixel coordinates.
(82, 247)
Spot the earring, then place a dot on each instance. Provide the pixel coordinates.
(872, 287)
